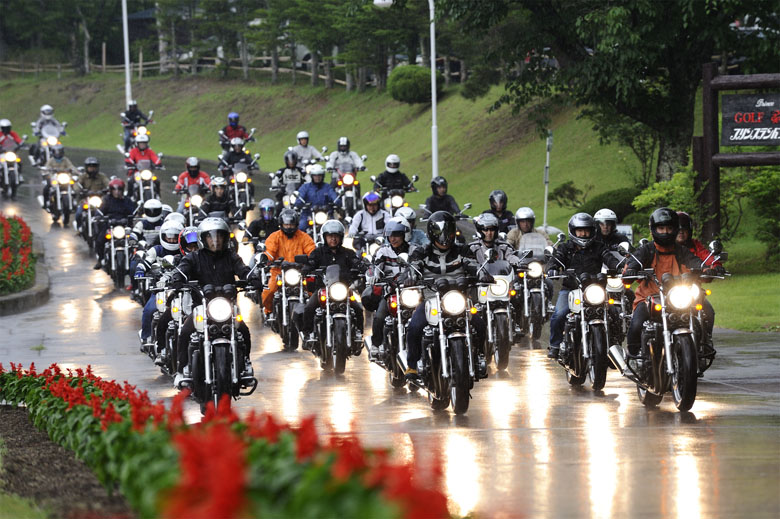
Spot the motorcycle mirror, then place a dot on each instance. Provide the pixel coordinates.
(220, 156)
(295, 193)
(220, 132)
(127, 155)
(364, 157)
(623, 247)
(324, 149)
(32, 124)
(415, 178)
(174, 178)
(257, 156)
(80, 168)
(242, 225)
(404, 257)
(161, 155)
(716, 247)
(252, 130)
(643, 241)
(259, 256)
(502, 236)
(379, 240)
(372, 178)
(151, 113)
(489, 254)
(168, 261)
(548, 250)
(467, 205)
(64, 124)
(260, 247)
(561, 236)
(24, 137)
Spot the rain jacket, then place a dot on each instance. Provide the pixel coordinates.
(675, 259)
(278, 245)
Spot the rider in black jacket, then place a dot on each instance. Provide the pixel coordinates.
(440, 200)
(498, 201)
(219, 200)
(607, 231)
(391, 177)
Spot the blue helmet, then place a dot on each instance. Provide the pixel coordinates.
(233, 119)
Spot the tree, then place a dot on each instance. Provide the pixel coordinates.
(640, 59)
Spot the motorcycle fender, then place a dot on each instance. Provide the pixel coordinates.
(575, 296)
(596, 321)
(455, 335)
(682, 331)
(220, 342)
(500, 311)
(537, 290)
(338, 316)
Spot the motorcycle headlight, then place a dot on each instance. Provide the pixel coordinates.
(10, 156)
(615, 283)
(146, 175)
(241, 177)
(453, 302)
(397, 201)
(500, 288)
(372, 248)
(595, 295)
(118, 232)
(680, 297)
(320, 217)
(219, 309)
(348, 179)
(411, 297)
(535, 269)
(338, 291)
(695, 292)
(196, 200)
(292, 277)
(51, 141)
(141, 130)
(63, 178)
(95, 201)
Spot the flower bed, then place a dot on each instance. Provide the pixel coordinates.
(17, 263)
(222, 467)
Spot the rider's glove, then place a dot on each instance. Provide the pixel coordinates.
(552, 273)
(629, 273)
(719, 270)
(138, 274)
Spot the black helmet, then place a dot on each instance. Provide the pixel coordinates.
(667, 217)
(343, 145)
(441, 228)
(91, 162)
(582, 221)
(290, 156)
(436, 182)
(287, 217)
(495, 197)
(685, 221)
(486, 221)
(58, 151)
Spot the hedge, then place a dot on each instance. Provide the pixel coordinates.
(412, 84)
(619, 200)
(17, 263)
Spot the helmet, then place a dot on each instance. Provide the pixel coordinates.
(169, 235)
(486, 221)
(290, 156)
(117, 183)
(438, 182)
(371, 197)
(686, 222)
(267, 208)
(525, 213)
(213, 228)
(497, 196)
(174, 217)
(47, 111)
(343, 145)
(236, 141)
(392, 163)
(5, 125)
(667, 217)
(441, 228)
(582, 221)
(407, 213)
(302, 135)
(187, 237)
(193, 166)
(233, 119)
(317, 169)
(142, 138)
(58, 151)
(399, 225)
(218, 182)
(91, 162)
(333, 227)
(132, 104)
(287, 217)
(166, 210)
(606, 216)
(152, 210)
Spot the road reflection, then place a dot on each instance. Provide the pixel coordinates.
(687, 487)
(602, 460)
(461, 473)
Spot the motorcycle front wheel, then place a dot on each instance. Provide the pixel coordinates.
(685, 376)
(459, 376)
(119, 272)
(339, 330)
(222, 380)
(501, 351)
(598, 358)
(535, 319)
(394, 372)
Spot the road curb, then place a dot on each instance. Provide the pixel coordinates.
(34, 296)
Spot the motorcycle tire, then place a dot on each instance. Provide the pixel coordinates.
(222, 383)
(599, 361)
(339, 330)
(459, 376)
(501, 350)
(171, 352)
(326, 362)
(685, 376)
(291, 344)
(196, 372)
(535, 319)
(119, 273)
(394, 372)
(647, 398)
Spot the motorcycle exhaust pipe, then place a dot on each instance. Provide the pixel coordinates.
(617, 358)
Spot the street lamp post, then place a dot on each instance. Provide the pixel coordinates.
(434, 126)
(128, 88)
(547, 176)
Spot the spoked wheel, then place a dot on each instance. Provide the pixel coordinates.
(394, 372)
(459, 376)
(685, 367)
(292, 337)
(222, 384)
(598, 358)
(647, 398)
(326, 361)
(501, 353)
(339, 329)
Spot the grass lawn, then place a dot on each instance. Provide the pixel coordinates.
(749, 302)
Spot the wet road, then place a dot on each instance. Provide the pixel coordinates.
(530, 446)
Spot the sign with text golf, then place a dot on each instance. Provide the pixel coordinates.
(750, 120)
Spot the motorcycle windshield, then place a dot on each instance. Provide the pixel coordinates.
(143, 164)
(240, 166)
(50, 129)
(193, 189)
(534, 242)
(332, 274)
(498, 268)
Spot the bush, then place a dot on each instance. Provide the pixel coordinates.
(619, 200)
(412, 84)
(17, 263)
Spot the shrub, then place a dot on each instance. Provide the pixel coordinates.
(619, 200)
(412, 84)
(17, 263)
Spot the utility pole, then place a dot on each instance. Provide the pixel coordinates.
(547, 176)
(128, 88)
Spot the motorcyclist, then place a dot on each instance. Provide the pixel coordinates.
(487, 226)
(9, 139)
(392, 177)
(440, 200)
(147, 229)
(419, 238)
(525, 220)
(371, 219)
(343, 160)
(56, 164)
(46, 118)
(193, 176)
(236, 154)
(214, 264)
(314, 193)
(608, 235)
(385, 267)
(445, 261)
(304, 151)
(233, 130)
(133, 118)
(332, 252)
(219, 200)
(498, 201)
(285, 243)
(585, 255)
(140, 152)
(290, 177)
(93, 182)
(663, 255)
(115, 206)
(262, 227)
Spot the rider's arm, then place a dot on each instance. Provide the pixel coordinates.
(354, 227)
(454, 208)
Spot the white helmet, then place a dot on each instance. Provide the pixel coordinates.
(525, 213)
(392, 163)
(408, 214)
(142, 138)
(398, 224)
(4, 123)
(213, 226)
(153, 210)
(302, 135)
(317, 169)
(605, 215)
(169, 235)
(175, 217)
(47, 111)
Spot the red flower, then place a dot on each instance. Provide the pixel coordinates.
(306, 439)
(176, 413)
(350, 456)
(110, 416)
(263, 426)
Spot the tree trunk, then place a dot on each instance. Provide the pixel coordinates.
(162, 44)
(362, 76)
(329, 73)
(446, 71)
(349, 79)
(315, 69)
(274, 65)
(175, 49)
(293, 62)
(426, 56)
(672, 153)
(244, 57)
(463, 71)
(86, 47)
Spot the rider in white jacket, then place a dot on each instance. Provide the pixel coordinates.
(370, 220)
(344, 160)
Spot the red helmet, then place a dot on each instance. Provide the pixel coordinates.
(117, 183)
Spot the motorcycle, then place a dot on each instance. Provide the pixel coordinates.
(48, 136)
(215, 351)
(347, 186)
(319, 215)
(180, 302)
(241, 189)
(530, 304)
(119, 251)
(494, 304)
(289, 294)
(12, 175)
(670, 345)
(89, 219)
(191, 201)
(392, 199)
(460, 215)
(146, 185)
(135, 130)
(224, 140)
(61, 196)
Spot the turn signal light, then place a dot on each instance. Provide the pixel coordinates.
(239, 318)
(708, 291)
(483, 293)
(577, 301)
(278, 282)
(513, 292)
(352, 297)
(434, 311)
(627, 285)
(393, 304)
(85, 206)
(108, 236)
(174, 310)
(322, 297)
(698, 306)
(611, 301)
(521, 275)
(657, 308)
(199, 318)
(473, 310)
